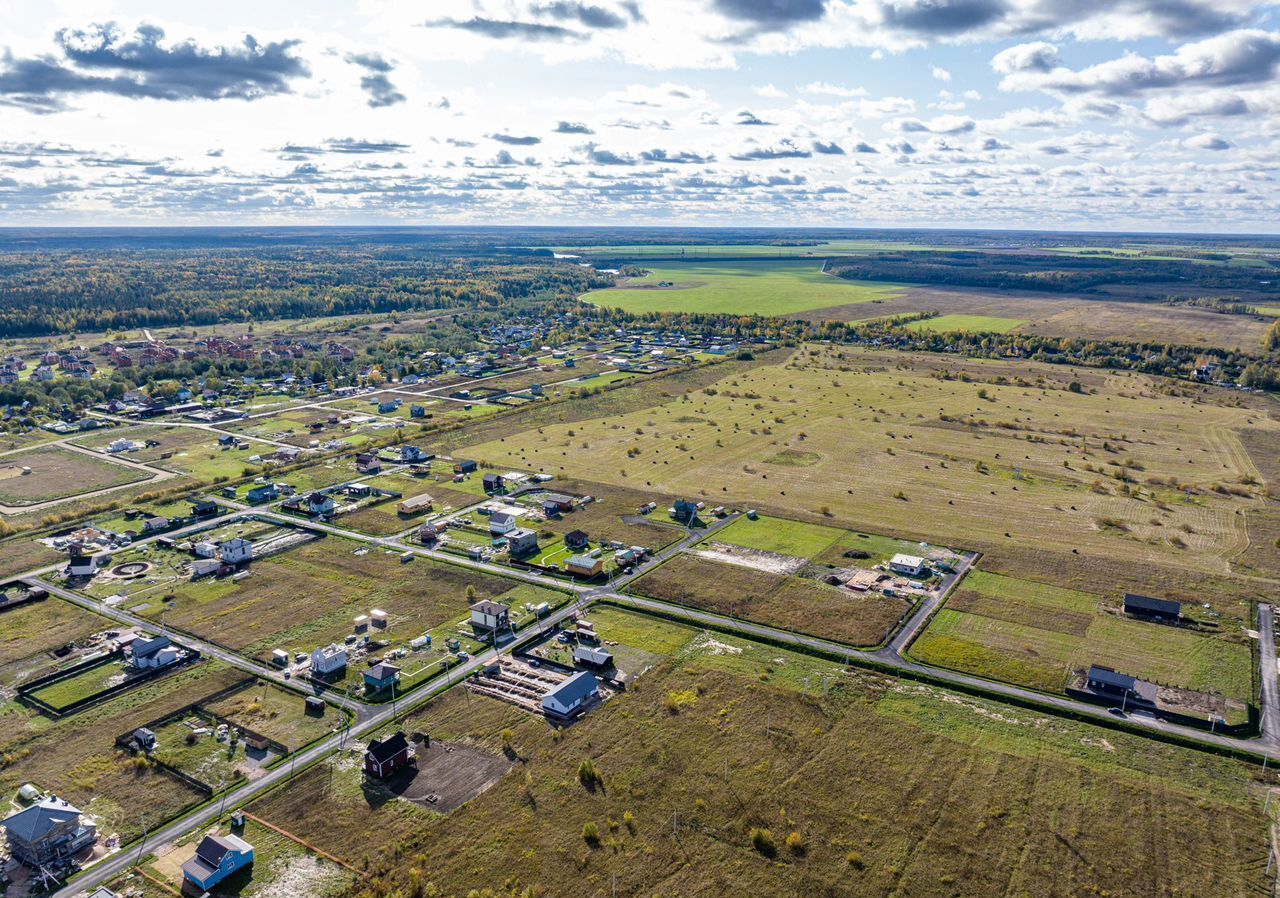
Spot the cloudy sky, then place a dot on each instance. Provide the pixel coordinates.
(1073, 114)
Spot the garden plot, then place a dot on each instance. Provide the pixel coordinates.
(310, 593)
(76, 757)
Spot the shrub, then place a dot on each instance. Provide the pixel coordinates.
(591, 834)
(629, 821)
(678, 700)
(588, 775)
(795, 843)
(762, 841)
(855, 860)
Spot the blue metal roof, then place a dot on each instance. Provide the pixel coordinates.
(572, 690)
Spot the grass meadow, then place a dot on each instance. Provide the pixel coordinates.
(746, 288)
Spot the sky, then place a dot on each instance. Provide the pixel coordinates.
(1157, 115)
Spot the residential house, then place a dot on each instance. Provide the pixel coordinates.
(151, 653)
(50, 833)
(577, 539)
(203, 508)
(1106, 682)
(216, 858)
(592, 656)
(413, 453)
(264, 493)
(236, 550)
(155, 524)
(420, 504)
(1156, 609)
(684, 511)
(521, 542)
(464, 466)
(384, 757)
(584, 566)
(908, 565)
(569, 697)
(328, 661)
(491, 617)
(205, 549)
(501, 523)
(431, 531)
(368, 463)
(381, 676)
(319, 504)
(555, 503)
(82, 564)
(493, 483)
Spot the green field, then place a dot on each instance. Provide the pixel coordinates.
(1035, 635)
(744, 288)
(784, 537)
(985, 324)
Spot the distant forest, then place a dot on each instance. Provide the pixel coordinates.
(1063, 273)
(60, 292)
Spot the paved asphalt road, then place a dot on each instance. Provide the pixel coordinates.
(370, 717)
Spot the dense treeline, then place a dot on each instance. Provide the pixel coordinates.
(63, 292)
(1154, 279)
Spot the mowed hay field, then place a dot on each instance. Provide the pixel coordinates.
(742, 288)
(792, 603)
(720, 774)
(1006, 459)
(57, 473)
(1036, 635)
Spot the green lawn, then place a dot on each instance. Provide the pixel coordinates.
(780, 535)
(743, 288)
(989, 324)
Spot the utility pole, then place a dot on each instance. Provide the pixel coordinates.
(143, 843)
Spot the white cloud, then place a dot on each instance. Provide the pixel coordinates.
(940, 74)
